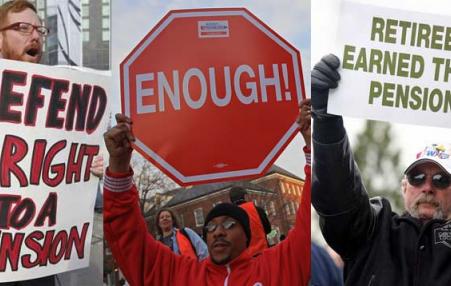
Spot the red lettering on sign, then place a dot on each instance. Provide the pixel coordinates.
(67, 101)
(49, 247)
(43, 163)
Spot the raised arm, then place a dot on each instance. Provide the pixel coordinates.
(338, 194)
(142, 260)
(288, 263)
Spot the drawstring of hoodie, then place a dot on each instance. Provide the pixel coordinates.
(226, 281)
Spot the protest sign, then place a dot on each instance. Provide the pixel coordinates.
(395, 65)
(51, 125)
(213, 94)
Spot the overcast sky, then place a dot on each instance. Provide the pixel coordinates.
(132, 20)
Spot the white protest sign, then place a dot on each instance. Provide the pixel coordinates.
(51, 125)
(395, 66)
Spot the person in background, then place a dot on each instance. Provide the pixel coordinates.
(259, 223)
(324, 270)
(182, 241)
(97, 170)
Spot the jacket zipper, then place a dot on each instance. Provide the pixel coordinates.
(226, 281)
(372, 280)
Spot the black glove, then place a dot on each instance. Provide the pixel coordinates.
(328, 128)
(324, 77)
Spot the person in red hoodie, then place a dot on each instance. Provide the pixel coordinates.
(144, 261)
(258, 220)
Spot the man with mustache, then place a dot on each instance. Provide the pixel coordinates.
(143, 261)
(378, 246)
(21, 39)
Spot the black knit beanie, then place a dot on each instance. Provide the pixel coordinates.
(233, 211)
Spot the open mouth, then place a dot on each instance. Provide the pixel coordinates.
(33, 52)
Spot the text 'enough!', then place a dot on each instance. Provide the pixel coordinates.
(246, 84)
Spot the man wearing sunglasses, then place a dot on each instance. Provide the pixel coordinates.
(227, 232)
(378, 246)
(21, 32)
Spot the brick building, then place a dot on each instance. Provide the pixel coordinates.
(278, 192)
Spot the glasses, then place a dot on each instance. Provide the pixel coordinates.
(27, 28)
(227, 224)
(439, 180)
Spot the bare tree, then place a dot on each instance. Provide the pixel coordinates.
(150, 181)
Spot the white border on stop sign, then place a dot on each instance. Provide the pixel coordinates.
(218, 175)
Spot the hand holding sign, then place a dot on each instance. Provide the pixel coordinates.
(304, 121)
(324, 77)
(97, 166)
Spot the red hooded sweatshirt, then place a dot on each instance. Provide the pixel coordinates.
(144, 261)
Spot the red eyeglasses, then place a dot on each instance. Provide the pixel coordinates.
(27, 28)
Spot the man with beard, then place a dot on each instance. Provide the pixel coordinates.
(21, 39)
(21, 32)
(378, 246)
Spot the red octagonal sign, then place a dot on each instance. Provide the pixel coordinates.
(213, 95)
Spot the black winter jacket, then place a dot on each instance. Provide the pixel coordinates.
(378, 246)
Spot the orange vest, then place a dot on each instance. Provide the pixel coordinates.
(258, 237)
(184, 244)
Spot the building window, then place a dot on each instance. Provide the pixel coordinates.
(106, 23)
(106, 1)
(85, 23)
(293, 207)
(86, 36)
(105, 35)
(85, 11)
(40, 4)
(287, 209)
(41, 14)
(105, 10)
(199, 216)
(272, 208)
(85, 2)
(282, 188)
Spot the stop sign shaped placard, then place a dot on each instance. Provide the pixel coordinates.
(213, 95)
